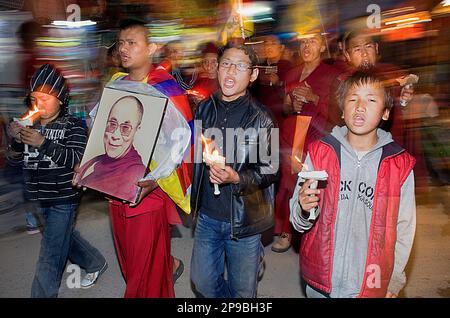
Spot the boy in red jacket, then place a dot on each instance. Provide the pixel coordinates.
(360, 242)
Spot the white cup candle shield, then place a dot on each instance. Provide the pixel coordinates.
(317, 176)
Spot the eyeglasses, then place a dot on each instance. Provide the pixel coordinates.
(125, 129)
(240, 66)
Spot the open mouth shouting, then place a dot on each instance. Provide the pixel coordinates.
(229, 82)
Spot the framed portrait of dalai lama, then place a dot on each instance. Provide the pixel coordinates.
(121, 143)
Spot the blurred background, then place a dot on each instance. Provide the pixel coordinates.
(79, 38)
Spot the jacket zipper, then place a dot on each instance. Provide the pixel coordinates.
(363, 287)
(232, 235)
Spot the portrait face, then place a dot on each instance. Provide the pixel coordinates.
(209, 64)
(362, 52)
(235, 74)
(123, 122)
(49, 105)
(364, 108)
(134, 48)
(311, 48)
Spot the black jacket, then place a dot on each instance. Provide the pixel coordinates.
(252, 201)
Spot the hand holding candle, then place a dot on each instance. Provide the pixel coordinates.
(31, 137)
(307, 196)
(27, 135)
(213, 159)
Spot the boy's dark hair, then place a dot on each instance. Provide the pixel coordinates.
(133, 23)
(363, 78)
(247, 49)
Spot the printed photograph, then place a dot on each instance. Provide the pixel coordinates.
(119, 148)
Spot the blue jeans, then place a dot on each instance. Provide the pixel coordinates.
(32, 214)
(60, 242)
(32, 219)
(213, 248)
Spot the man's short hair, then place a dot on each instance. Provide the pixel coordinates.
(134, 23)
(247, 49)
(361, 78)
(139, 104)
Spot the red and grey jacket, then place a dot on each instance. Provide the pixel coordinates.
(317, 247)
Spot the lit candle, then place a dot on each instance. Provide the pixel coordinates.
(213, 159)
(196, 93)
(29, 119)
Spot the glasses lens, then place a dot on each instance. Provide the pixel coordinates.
(242, 67)
(111, 126)
(125, 129)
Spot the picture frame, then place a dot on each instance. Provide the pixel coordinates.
(121, 143)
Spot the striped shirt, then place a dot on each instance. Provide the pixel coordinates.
(49, 169)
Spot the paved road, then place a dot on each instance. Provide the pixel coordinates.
(428, 270)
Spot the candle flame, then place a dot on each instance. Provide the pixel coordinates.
(205, 141)
(304, 165)
(31, 112)
(196, 93)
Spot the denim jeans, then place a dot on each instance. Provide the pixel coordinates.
(32, 219)
(213, 249)
(60, 242)
(32, 214)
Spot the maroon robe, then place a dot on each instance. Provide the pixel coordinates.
(270, 94)
(320, 81)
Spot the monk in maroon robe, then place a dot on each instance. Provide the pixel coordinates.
(307, 94)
